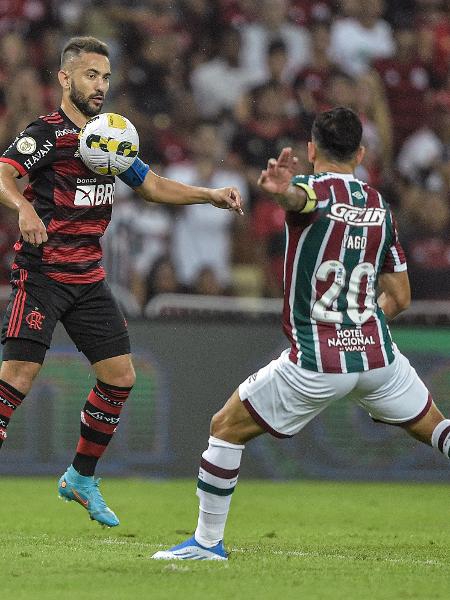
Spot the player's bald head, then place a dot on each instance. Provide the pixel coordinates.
(79, 45)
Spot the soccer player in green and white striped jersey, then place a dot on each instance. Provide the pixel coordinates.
(345, 276)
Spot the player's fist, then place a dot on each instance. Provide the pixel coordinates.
(31, 226)
(277, 177)
(227, 198)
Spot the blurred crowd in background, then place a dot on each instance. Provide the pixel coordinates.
(216, 88)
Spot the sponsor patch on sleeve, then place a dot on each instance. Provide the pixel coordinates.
(26, 145)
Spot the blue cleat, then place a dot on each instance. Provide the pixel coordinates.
(84, 490)
(192, 550)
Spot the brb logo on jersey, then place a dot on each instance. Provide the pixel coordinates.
(359, 217)
(89, 193)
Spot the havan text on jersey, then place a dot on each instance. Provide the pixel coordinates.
(334, 257)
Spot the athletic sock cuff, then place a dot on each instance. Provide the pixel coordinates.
(213, 441)
(440, 435)
(12, 390)
(113, 388)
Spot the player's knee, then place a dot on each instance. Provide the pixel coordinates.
(119, 373)
(128, 379)
(220, 425)
(19, 374)
(225, 426)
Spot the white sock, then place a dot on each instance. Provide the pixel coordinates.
(440, 438)
(217, 478)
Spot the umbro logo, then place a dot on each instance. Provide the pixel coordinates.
(357, 195)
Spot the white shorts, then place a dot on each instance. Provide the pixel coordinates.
(283, 397)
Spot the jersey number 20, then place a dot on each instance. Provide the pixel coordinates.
(322, 309)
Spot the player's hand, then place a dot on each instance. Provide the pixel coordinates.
(31, 226)
(277, 177)
(227, 198)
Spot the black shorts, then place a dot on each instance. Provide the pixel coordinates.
(88, 312)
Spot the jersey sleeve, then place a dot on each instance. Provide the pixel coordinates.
(33, 148)
(302, 181)
(395, 259)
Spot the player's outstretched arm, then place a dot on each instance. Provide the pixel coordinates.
(30, 225)
(167, 191)
(276, 181)
(395, 293)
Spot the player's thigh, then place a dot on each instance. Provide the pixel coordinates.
(117, 371)
(35, 306)
(282, 397)
(394, 394)
(97, 325)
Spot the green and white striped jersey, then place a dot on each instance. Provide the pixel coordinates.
(334, 256)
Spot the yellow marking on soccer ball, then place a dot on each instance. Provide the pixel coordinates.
(121, 147)
(116, 121)
(107, 170)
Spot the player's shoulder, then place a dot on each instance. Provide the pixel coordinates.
(298, 179)
(44, 125)
(57, 122)
(54, 127)
(53, 119)
(28, 140)
(373, 195)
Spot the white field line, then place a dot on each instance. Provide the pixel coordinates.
(300, 554)
(248, 550)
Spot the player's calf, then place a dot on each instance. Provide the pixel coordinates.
(432, 429)
(99, 420)
(424, 428)
(10, 399)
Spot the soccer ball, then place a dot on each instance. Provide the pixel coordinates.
(108, 144)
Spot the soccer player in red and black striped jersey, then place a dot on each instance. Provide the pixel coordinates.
(345, 276)
(57, 273)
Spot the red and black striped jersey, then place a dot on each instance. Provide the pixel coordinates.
(74, 203)
(334, 257)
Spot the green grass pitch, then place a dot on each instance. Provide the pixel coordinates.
(302, 540)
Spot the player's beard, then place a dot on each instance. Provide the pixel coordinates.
(82, 103)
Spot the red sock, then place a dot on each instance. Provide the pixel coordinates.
(10, 399)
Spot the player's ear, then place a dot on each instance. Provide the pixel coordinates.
(312, 152)
(360, 155)
(63, 78)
